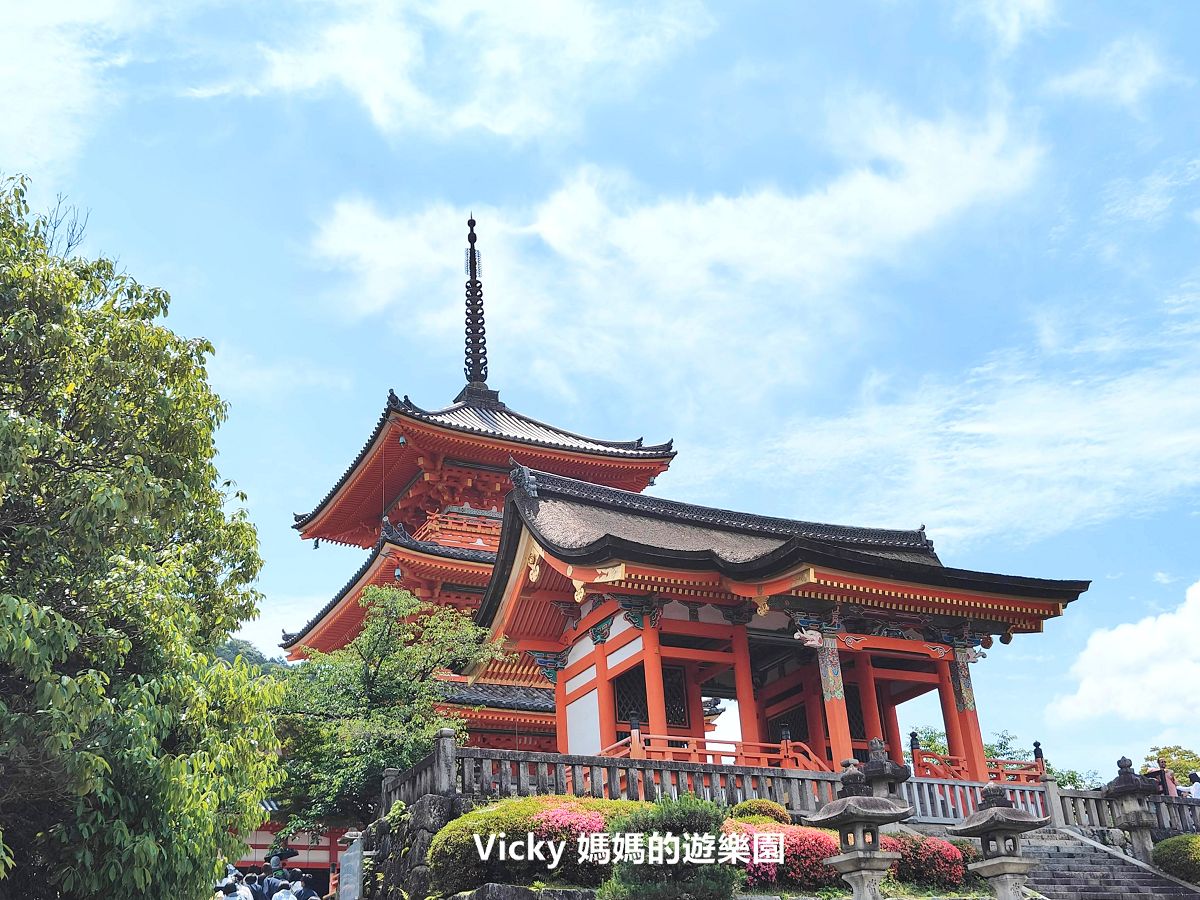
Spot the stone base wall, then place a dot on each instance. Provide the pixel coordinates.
(397, 868)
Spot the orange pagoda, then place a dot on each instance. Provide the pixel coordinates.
(629, 616)
(425, 496)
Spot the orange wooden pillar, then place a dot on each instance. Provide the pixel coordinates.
(812, 714)
(743, 681)
(950, 718)
(891, 730)
(964, 700)
(605, 699)
(868, 697)
(656, 704)
(560, 712)
(833, 693)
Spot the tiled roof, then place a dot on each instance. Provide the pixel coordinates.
(390, 534)
(501, 696)
(497, 420)
(759, 533)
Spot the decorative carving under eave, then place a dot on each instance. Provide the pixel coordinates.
(693, 609)
(580, 590)
(639, 608)
(738, 615)
(549, 663)
(601, 629)
(763, 605)
(534, 561)
(831, 669)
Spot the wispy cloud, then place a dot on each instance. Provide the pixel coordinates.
(55, 78)
(597, 273)
(1164, 578)
(1010, 20)
(1121, 667)
(1123, 74)
(1034, 441)
(240, 376)
(517, 69)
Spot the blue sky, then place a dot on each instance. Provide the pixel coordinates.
(881, 263)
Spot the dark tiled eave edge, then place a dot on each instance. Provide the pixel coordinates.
(405, 407)
(397, 536)
(520, 510)
(501, 696)
(724, 519)
(635, 449)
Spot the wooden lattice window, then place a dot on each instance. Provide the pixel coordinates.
(629, 693)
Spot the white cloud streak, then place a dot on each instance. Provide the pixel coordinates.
(1143, 671)
(596, 274)
(1010, 20)
(1124, 73)
(518, 69)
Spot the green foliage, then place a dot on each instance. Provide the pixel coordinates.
(454, 861)
(348, 715)
(768, 808)
(686, 815)
(130, 754)
(932, 739)
(1179, 856)
(1179, 760)
(235, 647)
(757, 820)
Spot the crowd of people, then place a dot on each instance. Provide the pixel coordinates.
(1168, 783)
(274, 882)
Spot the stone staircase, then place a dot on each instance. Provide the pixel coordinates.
(1073, 869)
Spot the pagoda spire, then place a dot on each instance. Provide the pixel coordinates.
(475, 356)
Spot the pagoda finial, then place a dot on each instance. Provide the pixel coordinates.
(476, 349)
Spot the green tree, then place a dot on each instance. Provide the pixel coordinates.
(1179, 759)
(127, 752)
(349, 714)
(235, 647)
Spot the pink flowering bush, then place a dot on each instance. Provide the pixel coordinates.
(929, 861)
(569, 823)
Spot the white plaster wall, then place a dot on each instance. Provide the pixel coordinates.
(583, 725)
(620, 623)
(580, 648)
(581, 679)
(625, 652)
(712, 615)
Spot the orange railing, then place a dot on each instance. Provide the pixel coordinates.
(938, 765)
(1019, 771)
(672, 748)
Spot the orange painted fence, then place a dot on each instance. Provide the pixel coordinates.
(784, 755)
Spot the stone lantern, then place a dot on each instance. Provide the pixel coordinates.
(857, 816)
(1127, 791)
(998, 825)
(883, 775)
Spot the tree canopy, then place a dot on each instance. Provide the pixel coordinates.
(1179, 759)
(349, 714)
(128, 752)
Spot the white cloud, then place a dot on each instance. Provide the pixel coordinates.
(517, 69)
(277, 615)
(597, 275)
(54, 78)
(1124, 73)
(1148, 200)
(241, 376)
(1010, 20)
(1164, 578)
(1144, 671)
(1033, 442)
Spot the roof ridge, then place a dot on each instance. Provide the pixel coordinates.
(537, 483)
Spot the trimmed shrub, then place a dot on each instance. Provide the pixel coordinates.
(454, 861)
(768, 808)
(931, 861)
(756, 820)
(681, 881)
(1179, 856)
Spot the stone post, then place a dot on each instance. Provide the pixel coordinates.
(388, 793)
(444, 763)
(1054, 807)
(1127, 790)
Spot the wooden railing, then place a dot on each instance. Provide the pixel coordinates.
(927, 764)
(948, 800)
(484, 774)
(709, 751)
(1016, 770)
